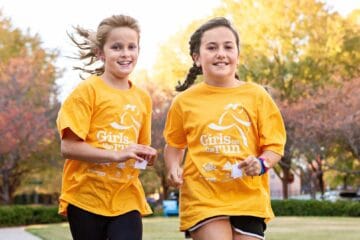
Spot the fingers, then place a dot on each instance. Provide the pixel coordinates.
(141, 153)
(151, 160)
(143, 149)
(251, 166)
(243, 164)
(175, 177)
(138, 157)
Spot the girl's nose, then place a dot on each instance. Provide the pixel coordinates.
(124, 53)
(220, 53)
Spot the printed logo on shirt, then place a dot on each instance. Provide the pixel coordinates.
(234, 118)
(129, 127)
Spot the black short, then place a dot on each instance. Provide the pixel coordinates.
(85, 225)
(246, 225)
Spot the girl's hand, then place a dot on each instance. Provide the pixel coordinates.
(150, 158)
(138, 152)
(251, 166)
(174, 176)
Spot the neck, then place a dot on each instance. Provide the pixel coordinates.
(115, 82)
(226, 83)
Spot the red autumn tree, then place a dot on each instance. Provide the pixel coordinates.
(28, 105)
(25, 117)
(318, 123)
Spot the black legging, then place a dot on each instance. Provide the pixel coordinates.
(89, 226)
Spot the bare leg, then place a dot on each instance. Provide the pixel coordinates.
(215, 230)
(239, 236)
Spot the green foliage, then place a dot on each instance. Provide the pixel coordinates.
(293, 46)
(28, 106)
(150, 180)
(18, 215)
(315, 208)
(15, 43)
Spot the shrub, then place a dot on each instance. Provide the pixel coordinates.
(315, 208)
(17, 215)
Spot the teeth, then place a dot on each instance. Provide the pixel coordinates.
(220, 64)
(124, 63)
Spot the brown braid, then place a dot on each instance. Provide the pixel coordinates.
(190, 78)
(195, 41)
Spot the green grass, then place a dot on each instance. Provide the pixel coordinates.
(155, 228)
(282, 228)
(311, 228)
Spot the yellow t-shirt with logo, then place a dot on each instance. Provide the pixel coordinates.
(220, 127)
(106, 118)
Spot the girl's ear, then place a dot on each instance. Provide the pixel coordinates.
(196, 60)
(100, 55)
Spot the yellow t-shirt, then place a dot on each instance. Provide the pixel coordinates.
(220, 127)
(106, 118)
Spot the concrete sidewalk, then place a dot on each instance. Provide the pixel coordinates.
(16, 233)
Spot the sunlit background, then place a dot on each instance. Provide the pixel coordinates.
(305, 52)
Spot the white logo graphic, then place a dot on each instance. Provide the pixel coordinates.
(235, 111)
(228, 137)
(119, 140)
(127, 121)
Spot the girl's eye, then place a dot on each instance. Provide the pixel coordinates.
(116, 47)
(211, 48)
(132, 47)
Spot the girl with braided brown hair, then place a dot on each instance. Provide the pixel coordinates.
(233, 133)
(105, 126)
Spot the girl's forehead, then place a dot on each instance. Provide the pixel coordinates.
(218, 34)
(123, 34)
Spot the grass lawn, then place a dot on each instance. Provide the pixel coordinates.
(294, 228)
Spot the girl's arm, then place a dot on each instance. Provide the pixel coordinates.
(173, 158)
(271, 158)
(252, 166)
(73, 147)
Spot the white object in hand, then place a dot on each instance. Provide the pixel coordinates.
(236, 172)
(141, 165)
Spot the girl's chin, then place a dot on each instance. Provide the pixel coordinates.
(223, 74)
(125, 70)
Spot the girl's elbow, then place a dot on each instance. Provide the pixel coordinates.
(65, 150)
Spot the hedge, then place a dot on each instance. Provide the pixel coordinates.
(316, 208)
(17, 215)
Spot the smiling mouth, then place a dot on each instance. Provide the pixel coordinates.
(124, 63)
(220, 64)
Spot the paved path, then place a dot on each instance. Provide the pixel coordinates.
(16, 233)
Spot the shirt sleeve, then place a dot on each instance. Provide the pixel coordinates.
(145, 131)
(174, 132)
(75, 113)
(271, 126)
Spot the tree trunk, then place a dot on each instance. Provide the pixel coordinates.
(321, 183)
(320, 175)
(165, 188)
(313, 184)
(5, 189)
(285, 181)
